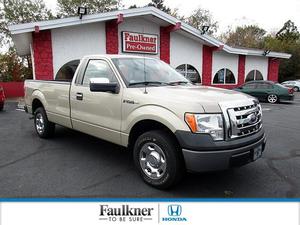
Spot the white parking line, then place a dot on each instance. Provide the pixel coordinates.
(266, 109)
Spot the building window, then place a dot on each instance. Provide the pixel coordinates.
(67, 71)
(254, 75)
(189, 72)
(224, 76)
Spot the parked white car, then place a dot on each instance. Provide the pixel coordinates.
(295, 84)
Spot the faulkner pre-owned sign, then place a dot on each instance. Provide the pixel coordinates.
(139, 42)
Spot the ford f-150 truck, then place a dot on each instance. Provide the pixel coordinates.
(142, 103)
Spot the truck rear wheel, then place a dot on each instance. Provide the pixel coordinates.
(43, 127)
(158, 159)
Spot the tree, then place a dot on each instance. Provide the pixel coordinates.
(202, 17)
(160, 5)
(250, 36)
(13, 68)
(287, 39)
(20, 11)
(68, 8)
(175, 13)
(132, 6)
(288, 32)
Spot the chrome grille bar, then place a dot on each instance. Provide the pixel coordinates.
(243, 119)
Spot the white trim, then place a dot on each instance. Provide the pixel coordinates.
(127, 13)
(32, 61)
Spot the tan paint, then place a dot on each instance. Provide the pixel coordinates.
(111, 116)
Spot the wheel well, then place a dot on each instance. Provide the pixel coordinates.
(144, 126)
(36, 104)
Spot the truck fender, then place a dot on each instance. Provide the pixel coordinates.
(37, 94)
(152, 112)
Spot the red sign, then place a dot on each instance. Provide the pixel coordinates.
(139, 42)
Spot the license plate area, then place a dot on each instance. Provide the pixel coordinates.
(257, 153)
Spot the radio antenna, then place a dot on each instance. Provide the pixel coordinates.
(145, 76)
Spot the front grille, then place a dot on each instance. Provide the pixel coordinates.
(244, 120)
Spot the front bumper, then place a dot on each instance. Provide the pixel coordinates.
(212, 156)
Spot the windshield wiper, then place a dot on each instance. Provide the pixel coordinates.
(178, 82)
(146, 83)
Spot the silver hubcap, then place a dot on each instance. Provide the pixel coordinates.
(39, 123)
(153, 160)
(272, 98)
(296, 89)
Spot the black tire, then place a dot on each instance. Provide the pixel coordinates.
(272, 98)
(296, 89)
(1, 108)
(174, 164)
(46, 128)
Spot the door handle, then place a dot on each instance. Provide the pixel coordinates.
(79, 96)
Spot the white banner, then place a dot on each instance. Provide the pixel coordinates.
(200, 213)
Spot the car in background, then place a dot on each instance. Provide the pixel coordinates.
(2, 98)
(267, 91)
(295, 84)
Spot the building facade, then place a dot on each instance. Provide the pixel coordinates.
(142, 31)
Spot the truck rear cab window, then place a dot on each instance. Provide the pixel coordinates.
(67, 71)
(98, 68)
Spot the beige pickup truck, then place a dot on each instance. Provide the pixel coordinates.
(171, 125)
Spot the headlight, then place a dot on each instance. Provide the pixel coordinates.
(206, 123)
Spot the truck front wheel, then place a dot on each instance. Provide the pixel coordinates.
(158, 159)
(43, 126)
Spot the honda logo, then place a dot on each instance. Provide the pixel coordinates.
(174, 210)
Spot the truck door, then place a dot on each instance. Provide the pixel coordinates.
(96, 113)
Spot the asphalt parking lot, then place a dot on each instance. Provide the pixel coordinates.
(73, 164)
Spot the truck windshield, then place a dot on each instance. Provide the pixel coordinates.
(140, 72)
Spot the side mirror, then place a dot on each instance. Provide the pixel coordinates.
(103, 85)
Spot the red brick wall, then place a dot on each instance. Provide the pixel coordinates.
(42, 52)
(165, 44)
(112, 42)
(241, 69)
(207, 57)
(13, 89)
(273, 69)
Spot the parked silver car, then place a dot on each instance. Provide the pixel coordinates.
(295, 84)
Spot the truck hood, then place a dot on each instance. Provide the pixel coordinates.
(208, 97)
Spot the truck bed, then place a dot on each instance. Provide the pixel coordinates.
(55, 97)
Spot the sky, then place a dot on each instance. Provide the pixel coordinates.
(268, 14)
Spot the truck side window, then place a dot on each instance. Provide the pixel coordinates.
(98, 69)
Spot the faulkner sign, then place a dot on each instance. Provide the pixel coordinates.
(139, 43)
